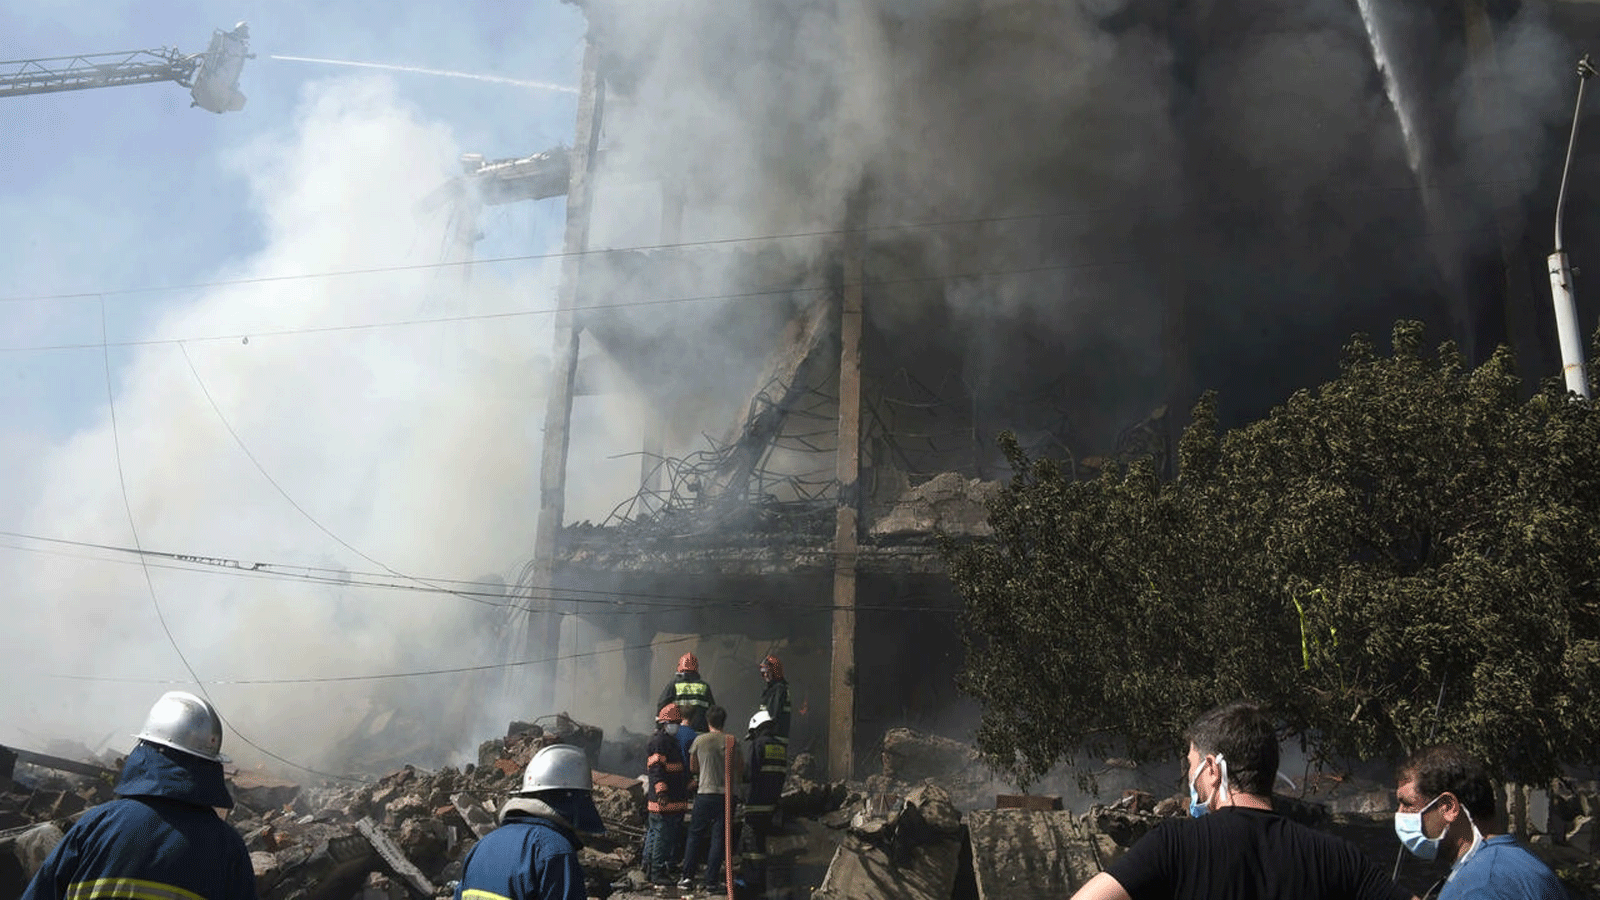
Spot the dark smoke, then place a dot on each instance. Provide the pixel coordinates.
(1076, 212)
(1146, 199)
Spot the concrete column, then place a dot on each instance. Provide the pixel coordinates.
(842, 699)
(544, 622)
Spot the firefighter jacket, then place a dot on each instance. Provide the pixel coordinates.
(160, 840)
(775, 700)
(769, 763)
(692, 695)
(533, 855)
(668, 774)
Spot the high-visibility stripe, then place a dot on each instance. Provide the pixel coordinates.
(477, 894)
(674, 767)
(692, 693)
(671, 806)
(760, 807)
(128, 889)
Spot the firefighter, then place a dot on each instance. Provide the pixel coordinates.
(769, 763)
(533, 855)
(775, 697)
(668, 796)
(690, 692)
(162, 837)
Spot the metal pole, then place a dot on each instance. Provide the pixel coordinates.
(1572, 367)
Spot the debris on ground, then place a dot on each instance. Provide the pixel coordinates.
(899, 833)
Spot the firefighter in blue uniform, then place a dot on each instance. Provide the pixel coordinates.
(533, 855)
(162, 838)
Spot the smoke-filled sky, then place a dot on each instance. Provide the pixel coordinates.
(235, 414)
(1133, 199)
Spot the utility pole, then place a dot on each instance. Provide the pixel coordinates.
(544, 620)
(842, 693)
(1572, 367)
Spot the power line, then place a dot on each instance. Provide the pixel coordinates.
(385, 676)
(150, 583)
(245, 336)
(278, 487)
(631, 602)
(729, 241)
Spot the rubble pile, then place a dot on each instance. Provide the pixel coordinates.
(402, 836)
(901, 833)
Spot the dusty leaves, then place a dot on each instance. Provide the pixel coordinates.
(1409, 530)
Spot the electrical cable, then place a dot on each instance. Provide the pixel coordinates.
(1094, 213)
(383, 676)
(279, 488)
(150, 586)
(636, 602)
(245, 336)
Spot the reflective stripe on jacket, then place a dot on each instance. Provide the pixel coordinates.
(769, 763)
(692, 694)
(667, 790)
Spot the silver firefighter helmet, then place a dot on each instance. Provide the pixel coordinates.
(558, 767)
(182, 721)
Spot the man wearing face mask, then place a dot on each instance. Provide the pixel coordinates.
(1446, 811)
(1234, 845)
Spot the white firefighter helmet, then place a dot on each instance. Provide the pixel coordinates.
(761, 718)
(182, 721)
(558, 767)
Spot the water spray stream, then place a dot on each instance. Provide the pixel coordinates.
(542, 85)
(1381, 55)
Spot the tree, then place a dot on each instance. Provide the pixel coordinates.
(1409, 554)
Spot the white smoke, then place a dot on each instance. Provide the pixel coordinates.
(417, 445)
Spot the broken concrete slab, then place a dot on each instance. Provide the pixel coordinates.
(946, 503)
(911, 756)
(862, 870)
(914, 851)
(260, 791)
(394, 857)
(1021, 854)
(472, 811)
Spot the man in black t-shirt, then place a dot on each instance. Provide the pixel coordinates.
(1235, 847)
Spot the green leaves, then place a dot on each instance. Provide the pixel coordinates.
(1406, 527)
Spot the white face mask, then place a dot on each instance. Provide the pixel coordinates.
(1408, 827)
(672, 727)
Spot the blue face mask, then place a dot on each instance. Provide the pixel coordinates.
(1198, 808)
(1408, 827)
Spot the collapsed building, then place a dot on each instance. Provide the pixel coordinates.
(862, 239)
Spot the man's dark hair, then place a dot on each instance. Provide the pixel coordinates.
(1243, 735)
(717, 716)
(1446, 768)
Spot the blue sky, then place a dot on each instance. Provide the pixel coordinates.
(407, 448)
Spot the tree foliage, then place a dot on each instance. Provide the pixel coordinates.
(1408, 554)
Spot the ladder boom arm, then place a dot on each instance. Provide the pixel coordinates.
(93, 70)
